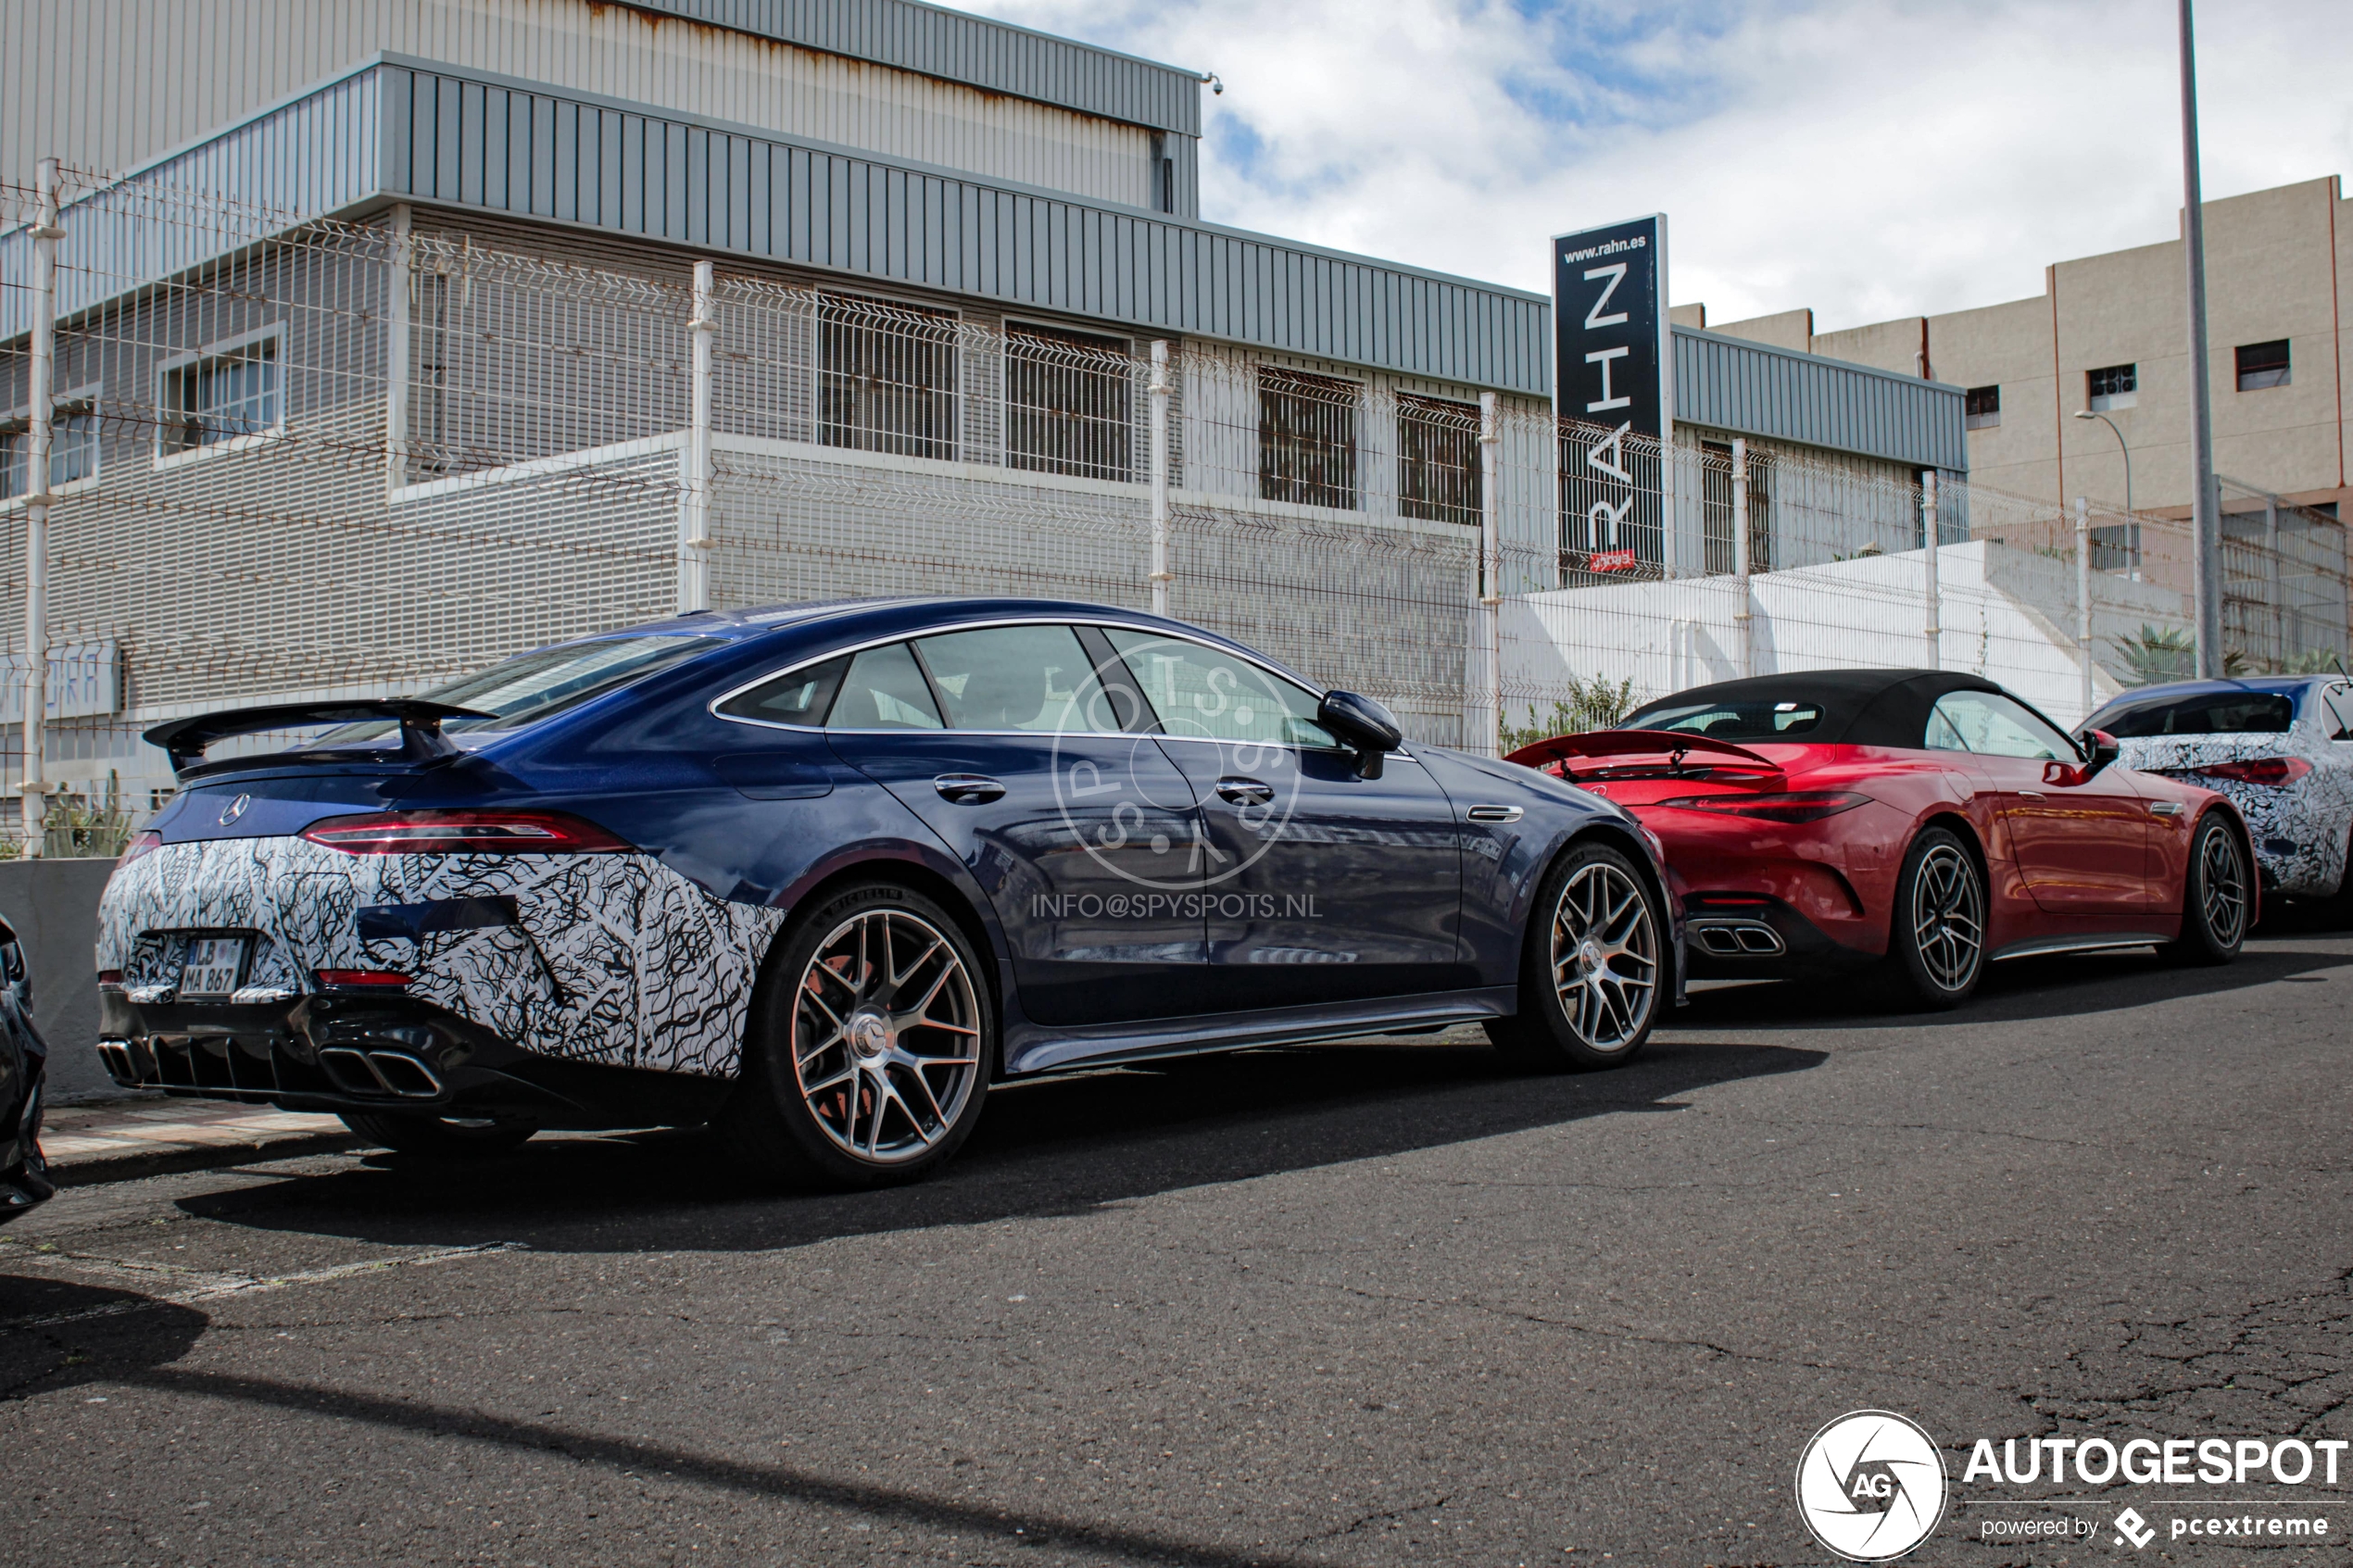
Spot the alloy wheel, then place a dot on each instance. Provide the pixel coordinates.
(2222, 885)
(1604, 956)
(885, 1037)
(1948, 917)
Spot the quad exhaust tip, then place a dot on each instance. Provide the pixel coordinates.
(1738, 938)
(374, 1075)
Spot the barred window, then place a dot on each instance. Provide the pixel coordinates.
(220, 396)
(1068, 403)
(1306, 438)
(74, 447)
(1437, 470)
(885, 377)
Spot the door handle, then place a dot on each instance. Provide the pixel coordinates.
(967, 790)
(1494, 813)
(2029, 794)
(1244, 792)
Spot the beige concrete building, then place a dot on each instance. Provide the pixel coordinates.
(2108, 333)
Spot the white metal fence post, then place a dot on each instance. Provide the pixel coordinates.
(1741, 562)
(694, 503)
(39, 401)
(1160, 574)
(1488, 741)
(2083, 597)
(1929, 531)
(399, 283)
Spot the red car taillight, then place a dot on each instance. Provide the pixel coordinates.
(464, 832)
(1791, 806)
(345, 979)
(2273, 771)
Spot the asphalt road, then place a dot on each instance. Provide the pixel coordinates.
(1362, 1304)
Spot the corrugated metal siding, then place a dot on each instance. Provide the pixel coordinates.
(318, 155)
(973, 50)
(109, 84)
(469, 144)
(1732, 385)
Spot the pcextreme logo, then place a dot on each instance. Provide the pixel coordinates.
(1870, 1485)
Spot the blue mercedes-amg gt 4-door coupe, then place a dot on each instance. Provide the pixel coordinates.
(821, 874)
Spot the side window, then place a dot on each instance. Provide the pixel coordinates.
(2340, 707)
(884, 690)
(800, 698)
(1018, 678)
(1203, 694)
(1993, 726)
(1941, 735)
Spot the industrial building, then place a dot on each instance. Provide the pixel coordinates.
(2107, 336)
(380, 326)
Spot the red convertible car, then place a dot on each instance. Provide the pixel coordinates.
(1922, 821)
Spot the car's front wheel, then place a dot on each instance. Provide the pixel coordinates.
(1936, 938)
(867, 1057)
(2215, 898)
(1592, 966)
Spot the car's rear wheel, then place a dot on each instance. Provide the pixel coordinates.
(867, 1057)
(2216, 898)
(1936, 938)
(438, 1137)
(1592, 966)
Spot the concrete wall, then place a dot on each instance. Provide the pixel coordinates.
(54, 907)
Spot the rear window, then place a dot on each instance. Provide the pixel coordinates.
(1761, 718)
(2201, 713)
(536, 686)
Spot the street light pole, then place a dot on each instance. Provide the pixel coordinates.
(2206, 533)
(2131, 523)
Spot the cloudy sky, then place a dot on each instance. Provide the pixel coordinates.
(1868, 158)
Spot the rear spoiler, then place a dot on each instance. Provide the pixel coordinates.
(1674, 744)
(420, 736)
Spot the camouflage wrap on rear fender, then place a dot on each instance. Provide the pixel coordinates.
(618, 959)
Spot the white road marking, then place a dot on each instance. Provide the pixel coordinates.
(204, 1287)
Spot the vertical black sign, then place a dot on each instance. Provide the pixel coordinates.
(1613, 376)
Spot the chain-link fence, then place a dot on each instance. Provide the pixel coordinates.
(298, 460)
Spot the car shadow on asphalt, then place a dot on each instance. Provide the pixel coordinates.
(2017, 991)
(1053, 1147)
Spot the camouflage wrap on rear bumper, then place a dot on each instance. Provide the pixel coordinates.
(616, 959)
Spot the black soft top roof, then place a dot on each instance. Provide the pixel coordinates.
(1859, 706)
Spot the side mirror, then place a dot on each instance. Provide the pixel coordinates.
(2099, 750)
(1363, 725)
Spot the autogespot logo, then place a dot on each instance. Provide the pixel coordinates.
(1870, 1485)
(1116, 815)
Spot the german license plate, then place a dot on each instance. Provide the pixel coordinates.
(211, 966)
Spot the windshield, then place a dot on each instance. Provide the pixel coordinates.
(2197, 714)
(536, 686)
(1751, 719)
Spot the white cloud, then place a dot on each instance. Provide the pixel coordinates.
(1868, 158)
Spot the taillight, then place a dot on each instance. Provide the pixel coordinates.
(2273, 771)
(1793, 806)
(110, 977)
(145, 843)
(464, 832)
(350, 978)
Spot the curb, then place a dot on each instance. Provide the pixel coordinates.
(99, 1170)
